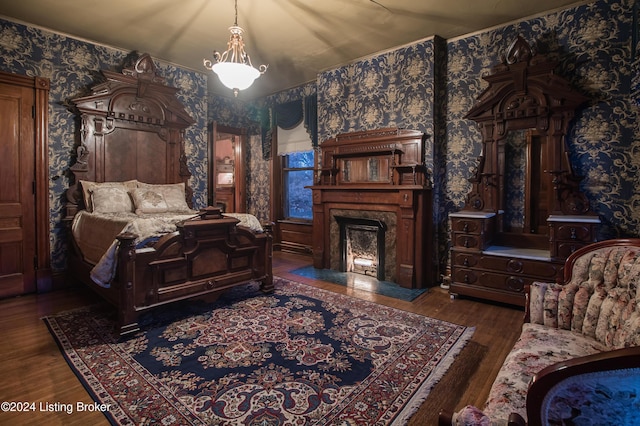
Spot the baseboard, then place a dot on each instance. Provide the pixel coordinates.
(60, 280)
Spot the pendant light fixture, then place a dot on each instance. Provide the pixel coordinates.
(233, 67)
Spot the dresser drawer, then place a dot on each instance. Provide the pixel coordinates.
(542, 270)
(467, 226)
(506, 282)
(465, 276)
(574, 232)
(464, 225)
(464, 259)
(467, 241)
(491, 280)
(564, 249)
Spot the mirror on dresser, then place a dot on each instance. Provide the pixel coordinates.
(525, 213)
(524, 203)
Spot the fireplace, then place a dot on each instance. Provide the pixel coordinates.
(377, 182)
(385, 239)
(362, 246)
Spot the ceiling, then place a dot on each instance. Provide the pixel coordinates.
(296, 38)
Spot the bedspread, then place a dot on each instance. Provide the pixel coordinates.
(95, 234)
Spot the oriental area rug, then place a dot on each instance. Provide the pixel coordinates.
(299, 356)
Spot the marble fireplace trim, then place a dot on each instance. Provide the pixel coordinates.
(389, 218)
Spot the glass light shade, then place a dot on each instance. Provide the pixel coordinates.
(235, 76)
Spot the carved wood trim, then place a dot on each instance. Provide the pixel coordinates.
(135, 100)
(524, 92)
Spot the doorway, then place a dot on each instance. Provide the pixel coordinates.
(227, 186)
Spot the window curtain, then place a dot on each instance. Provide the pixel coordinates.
(311, 118)
(265, 118)
(292, 136)
(287, 116)
(293, 140)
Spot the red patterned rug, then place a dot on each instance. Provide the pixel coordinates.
(300, 356)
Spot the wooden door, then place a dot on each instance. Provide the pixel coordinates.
(21, 140)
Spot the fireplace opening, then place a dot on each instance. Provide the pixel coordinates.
(362, 246)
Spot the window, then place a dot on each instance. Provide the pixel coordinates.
(297, 172)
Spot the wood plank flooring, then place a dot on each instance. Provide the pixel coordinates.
(33, 370)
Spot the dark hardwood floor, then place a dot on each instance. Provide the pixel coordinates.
(33, 370)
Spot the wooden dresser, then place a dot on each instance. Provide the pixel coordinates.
(500, 273)
(525, 213)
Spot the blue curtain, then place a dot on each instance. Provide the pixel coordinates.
(311, 118)
(289, 114)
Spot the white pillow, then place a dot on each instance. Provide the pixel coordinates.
(174, 195)
(89, 186)
(147, 200)
(110, 199)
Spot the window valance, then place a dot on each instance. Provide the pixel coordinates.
(287, 116)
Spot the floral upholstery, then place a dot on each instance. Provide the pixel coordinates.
(597, 310)
(470, 415)
(538, 347)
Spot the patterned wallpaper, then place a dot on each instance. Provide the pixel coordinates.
(402, 88)
(394, 89)
(592, 44)
(428, 86)
(73, 66)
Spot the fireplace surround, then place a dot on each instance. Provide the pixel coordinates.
(380, 176)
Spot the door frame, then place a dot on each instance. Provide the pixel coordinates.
(240, 185)
(40, 85)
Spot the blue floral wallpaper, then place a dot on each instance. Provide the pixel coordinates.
(394, 89)
(428, 85)
(402, 88)
(72, 66)
(407, 88)
(592, 44)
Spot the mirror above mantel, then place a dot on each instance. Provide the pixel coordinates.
(525, 204)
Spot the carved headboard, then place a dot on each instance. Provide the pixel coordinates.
(132, 127)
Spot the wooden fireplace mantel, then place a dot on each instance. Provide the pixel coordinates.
(378, 172)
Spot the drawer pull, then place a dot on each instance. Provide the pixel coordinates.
(515, 265)
(466, 278)
(573, 234)
(465, 228)
(465, 262)
(515, 284)
(466, 243)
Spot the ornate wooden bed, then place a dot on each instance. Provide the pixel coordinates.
(132, 129)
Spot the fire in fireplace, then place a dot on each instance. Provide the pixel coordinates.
(362, 246)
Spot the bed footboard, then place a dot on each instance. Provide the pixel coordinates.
(206, 255)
